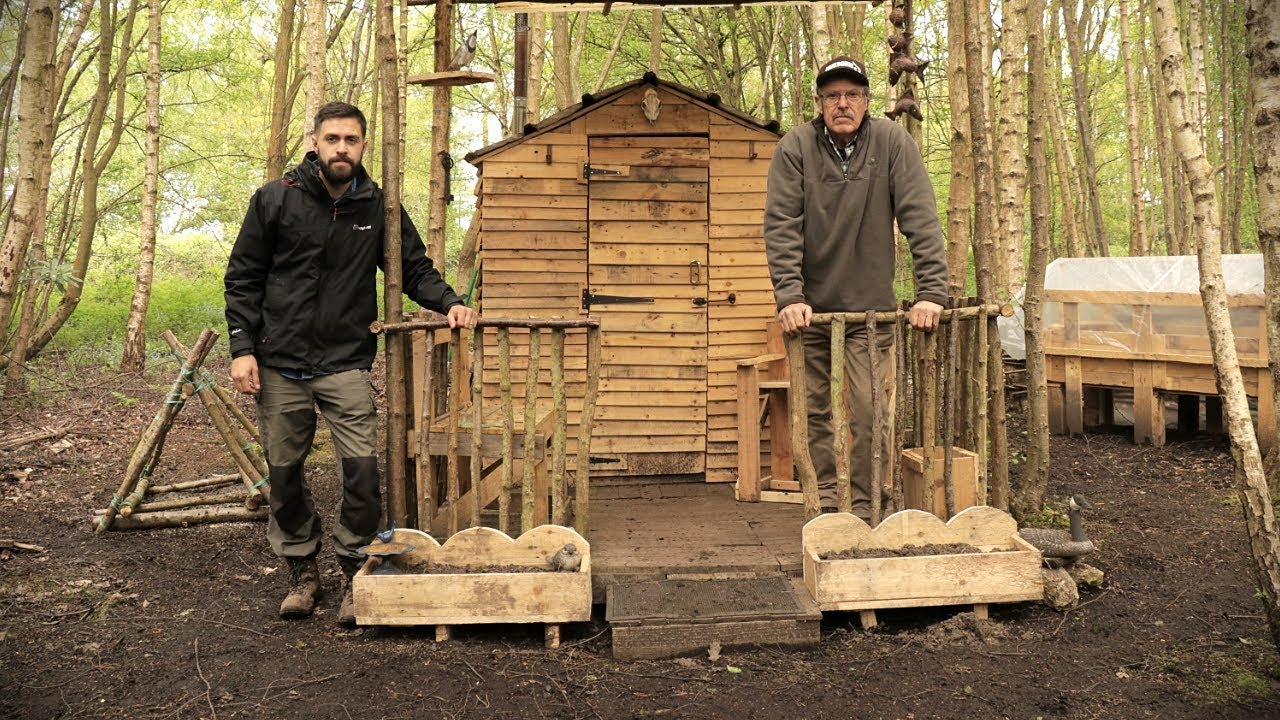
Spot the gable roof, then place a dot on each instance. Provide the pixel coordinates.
(592, 100)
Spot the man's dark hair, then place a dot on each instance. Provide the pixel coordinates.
(339, 109)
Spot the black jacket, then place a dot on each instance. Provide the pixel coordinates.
(301, 282)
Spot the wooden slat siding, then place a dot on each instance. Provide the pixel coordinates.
(561, 170)
(625, 260)
(738, 265)
(495, 240)
(524, 200)
(624, 116)
(527, 225)
(533, 186)
(531, 213)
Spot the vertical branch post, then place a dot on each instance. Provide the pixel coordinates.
(983, 430)
(950, 391)
(477, 423)
(839, 416)
(800, 426)
(559, 485)
(508, 428)
(582, 480)
(455, 407)
(424, 403)
(877, 422)
(530, 427)
(929, 408)
(899, 408)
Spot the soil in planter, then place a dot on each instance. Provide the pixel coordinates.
(430, 568)
(856, 553)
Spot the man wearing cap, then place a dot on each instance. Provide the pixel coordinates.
(836, 187)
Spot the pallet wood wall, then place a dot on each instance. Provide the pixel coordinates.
(689, 188)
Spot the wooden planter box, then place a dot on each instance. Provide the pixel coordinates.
(406, 596)
(894, 582)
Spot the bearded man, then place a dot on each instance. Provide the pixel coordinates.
(301, 291)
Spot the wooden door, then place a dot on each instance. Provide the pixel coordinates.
(647, 282)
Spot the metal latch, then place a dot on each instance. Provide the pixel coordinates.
(588, 171)
(731, 299)
(588, 299)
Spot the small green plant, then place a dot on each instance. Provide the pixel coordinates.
(1049, 516)
(124, 400)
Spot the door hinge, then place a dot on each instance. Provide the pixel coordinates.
(588, 171)
(588, 299)
(730, 299)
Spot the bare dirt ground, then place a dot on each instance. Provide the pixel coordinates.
(182, 623)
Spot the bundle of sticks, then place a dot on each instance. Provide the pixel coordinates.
(138, 504)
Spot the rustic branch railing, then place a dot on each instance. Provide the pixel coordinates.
(964, 334)
(449, 361)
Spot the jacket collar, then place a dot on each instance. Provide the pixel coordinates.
(820, 127)
(306, 175)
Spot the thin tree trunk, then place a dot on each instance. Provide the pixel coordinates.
(537, 61)
(561, 43)
(9, 88)
(655, 40)
(1227, 123)
(94, 164)
(1013, 137)
(821, 32)
(1036, 477)
(279, 94)
(1068, 189)
(1084, 126)
(1264, 61)
(1169, 202)
(1138, 244)
(1251, 485)
(855, 15)
(135, 339)
(984, 249)
(393, 298)
(613, 52)
(960, 198)
(34, 99)
(441, 125)
(317, 71)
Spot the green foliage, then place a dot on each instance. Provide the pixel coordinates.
(1222, 679)
(1049, 516)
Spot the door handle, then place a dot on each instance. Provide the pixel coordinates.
(695, 272)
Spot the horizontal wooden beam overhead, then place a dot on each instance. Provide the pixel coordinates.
(581, 5)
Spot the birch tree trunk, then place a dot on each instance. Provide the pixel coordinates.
(854, 17)
(93, 165)
(960, 198)
(561, 49)
(1169, 202)
(317, 71)
(821, 32)
(1138, 244)
(1264, 63)
(1251, 485)
(34, 99)
(1035, 481)
(655, 40)
(280, 104)
(537, 61)
(135, 337)
(1084, 125)
(1013, 136)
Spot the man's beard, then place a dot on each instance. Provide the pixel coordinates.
(335, 176)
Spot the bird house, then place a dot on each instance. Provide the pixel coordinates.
(642, 206)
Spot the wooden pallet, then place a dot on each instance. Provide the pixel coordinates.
(667, 618)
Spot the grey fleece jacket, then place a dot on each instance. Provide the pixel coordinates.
(829, 234)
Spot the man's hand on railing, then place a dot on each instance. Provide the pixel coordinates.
(925, 315)
(794, 317)
(461, 316)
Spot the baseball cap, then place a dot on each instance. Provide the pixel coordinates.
(845, 67)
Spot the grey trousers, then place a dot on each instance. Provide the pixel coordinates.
(287, 423)
(817, 355)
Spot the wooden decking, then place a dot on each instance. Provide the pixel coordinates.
(670, 529)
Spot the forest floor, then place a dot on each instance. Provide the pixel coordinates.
(182, 623)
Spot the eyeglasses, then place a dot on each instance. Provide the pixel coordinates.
(853, 98)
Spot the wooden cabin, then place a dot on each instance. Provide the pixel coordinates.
(643, 207)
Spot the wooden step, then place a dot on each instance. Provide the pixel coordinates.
(667, 618)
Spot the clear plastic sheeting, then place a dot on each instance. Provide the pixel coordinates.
(1141, 307)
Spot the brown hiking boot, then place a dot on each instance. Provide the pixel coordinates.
(304, 587)
(347, 610)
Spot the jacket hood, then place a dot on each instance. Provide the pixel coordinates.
(306, 175)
